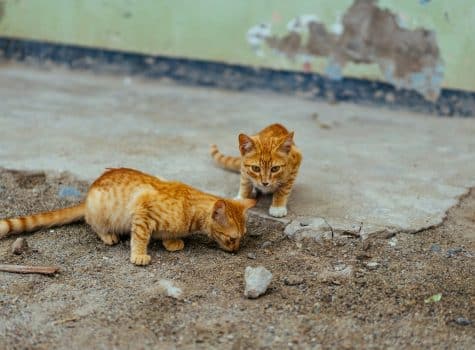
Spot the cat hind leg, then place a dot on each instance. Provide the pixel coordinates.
(173, 245)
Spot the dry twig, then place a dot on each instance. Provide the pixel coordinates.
(44, 270)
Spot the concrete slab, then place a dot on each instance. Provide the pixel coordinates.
(365, 170)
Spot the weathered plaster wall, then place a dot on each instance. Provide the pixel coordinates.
(226, 31)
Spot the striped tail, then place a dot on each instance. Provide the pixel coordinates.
(227, 162)
(42, 220)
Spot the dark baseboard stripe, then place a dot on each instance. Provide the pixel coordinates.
(228, 76)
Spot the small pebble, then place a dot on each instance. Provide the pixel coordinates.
(257, 279)
(266, 244)
(392, 242)
(453, 251)
(168, 288)
(339, 267)
(372, 265)
(435, 248)
(19, 246)
(293, 280)
(251, 256)
(462, 321)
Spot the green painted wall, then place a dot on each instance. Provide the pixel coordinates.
(216, 29)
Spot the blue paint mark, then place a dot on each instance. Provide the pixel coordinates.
(418, 80)
(333, 70)
(68, 191)
(424, 2)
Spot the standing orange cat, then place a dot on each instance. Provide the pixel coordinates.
(269, 163)
(123, 201)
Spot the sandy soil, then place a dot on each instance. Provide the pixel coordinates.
(323, 294)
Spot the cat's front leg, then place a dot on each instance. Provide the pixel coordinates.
(173, 245)
(142, 228)
(246, 189)
(278, 208)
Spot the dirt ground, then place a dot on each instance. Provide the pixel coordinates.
(323, 294)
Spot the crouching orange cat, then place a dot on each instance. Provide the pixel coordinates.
(269, 162)
(123, 201)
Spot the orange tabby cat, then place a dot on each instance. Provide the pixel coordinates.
(269, 162)
(124, 200)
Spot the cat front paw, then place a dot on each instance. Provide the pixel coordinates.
(278, 212)
(140, 259)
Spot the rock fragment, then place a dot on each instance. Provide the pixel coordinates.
(315, 228)
(462, 321)
(19, 246)
(266, 244)
(257, 279)
(168, 288)
(372, 265)
(453, 252)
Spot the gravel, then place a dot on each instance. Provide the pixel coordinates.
(105, 303)
(293, 280)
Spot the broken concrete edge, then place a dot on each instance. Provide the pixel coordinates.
(320, 228)
(451, 102)
(458, 200)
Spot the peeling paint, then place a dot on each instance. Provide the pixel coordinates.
(257, 35)
(367, 34)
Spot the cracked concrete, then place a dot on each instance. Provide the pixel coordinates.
(365, 170)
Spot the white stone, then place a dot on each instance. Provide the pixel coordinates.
(372, 265)
(257, 280)
(169, 289)
(308, 228)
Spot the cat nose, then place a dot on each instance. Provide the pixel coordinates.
(265, 183)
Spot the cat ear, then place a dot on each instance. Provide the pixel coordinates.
(248, 203)
(246, 144)
(287, 143)
(219, 212)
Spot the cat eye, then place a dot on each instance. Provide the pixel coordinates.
(275, 169)
(255, 168)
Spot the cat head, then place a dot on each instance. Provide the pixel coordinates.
(228, 222)
(265, 160)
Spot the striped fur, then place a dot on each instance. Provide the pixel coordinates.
(42, 220)
(227, 162)
(269, 163)
(126, 201)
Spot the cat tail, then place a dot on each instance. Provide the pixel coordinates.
(42, 220)
(227, 162)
